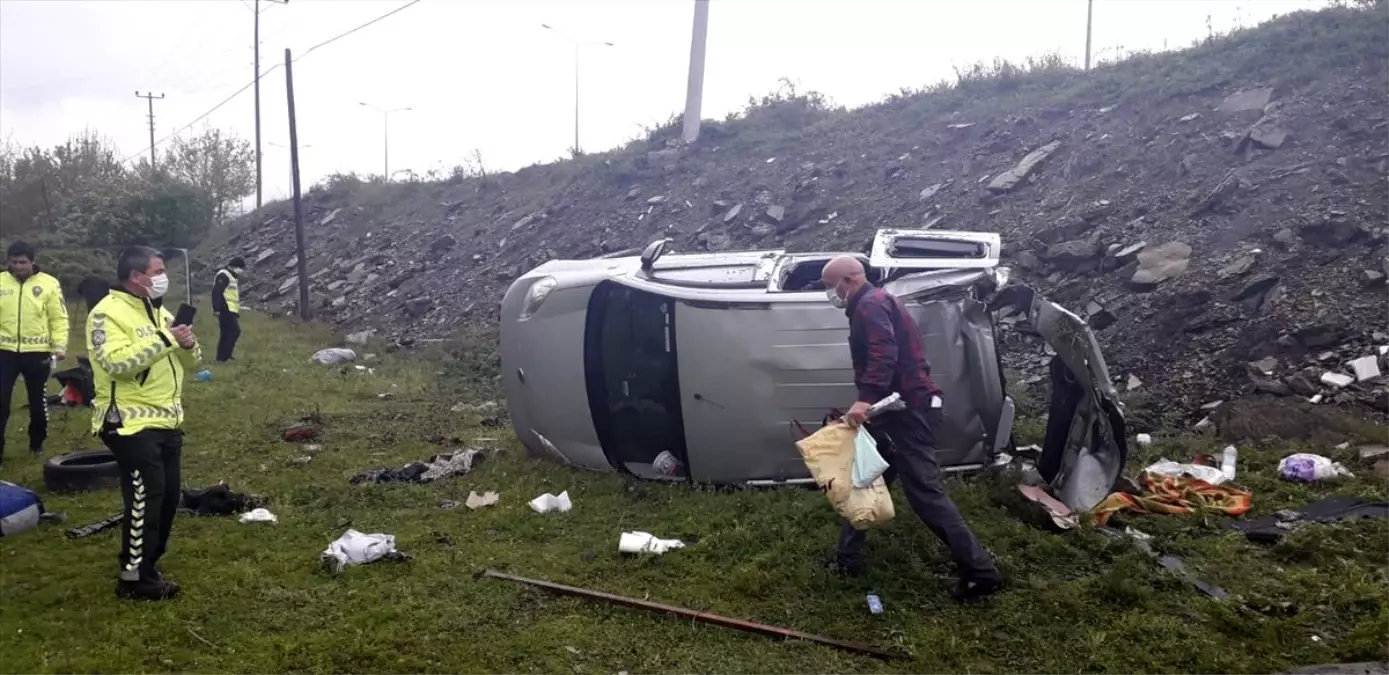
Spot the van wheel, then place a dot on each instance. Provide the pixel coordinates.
(81, 472)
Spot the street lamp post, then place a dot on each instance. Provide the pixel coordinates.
(578, 46)
(385, 136)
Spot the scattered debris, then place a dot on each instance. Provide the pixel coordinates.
(1271, 529)
(334, 356)
(355, 548)
(692, 615)
(1144, 439)
(666, 464)
(106, 523)
(1175, 495)
(20, 509)
(1366, 368)
(218, 500)
(549, 502)
(476, 501)
(258, 516)
(444, 465)
(645, 542)
(300, 432)
(1308, 468)
(1171, 563)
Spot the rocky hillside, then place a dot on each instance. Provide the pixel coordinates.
(1219, 214)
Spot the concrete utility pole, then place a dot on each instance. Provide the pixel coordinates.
(150, 97)
(256, 40)
(578, 46)
(694, 91)
(305, 312)
(1089, 22)
(385, 137)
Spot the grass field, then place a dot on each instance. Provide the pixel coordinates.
(256, 600)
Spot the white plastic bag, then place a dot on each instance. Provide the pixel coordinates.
(868, 462)
(1167, 467)
(355, 548)
(1307, 467)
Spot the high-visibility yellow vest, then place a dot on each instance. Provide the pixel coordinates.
(137, 365)
(231, 297)
(33, 316)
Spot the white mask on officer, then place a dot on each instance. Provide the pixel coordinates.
(159, 285)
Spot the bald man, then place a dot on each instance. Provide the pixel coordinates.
(885, 345)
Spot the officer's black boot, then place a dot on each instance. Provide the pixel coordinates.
(147, 588)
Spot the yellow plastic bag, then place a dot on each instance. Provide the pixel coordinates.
(829, 454)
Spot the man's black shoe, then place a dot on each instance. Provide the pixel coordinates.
(146, 589)
(976, 589)
(36, 451)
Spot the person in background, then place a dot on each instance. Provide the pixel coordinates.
(33, 334)
(138, 362)
(886, 349)
(226, 304)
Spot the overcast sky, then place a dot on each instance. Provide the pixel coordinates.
(484, 74)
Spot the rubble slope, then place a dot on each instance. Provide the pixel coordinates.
(1204, 209)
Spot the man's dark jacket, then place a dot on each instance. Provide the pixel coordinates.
(886, 348)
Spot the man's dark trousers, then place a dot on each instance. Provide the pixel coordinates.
(149, 461)
(913, 460)
(34, 366)
(228, 330)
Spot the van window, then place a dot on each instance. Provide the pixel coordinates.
(907, 247)
(804, 275)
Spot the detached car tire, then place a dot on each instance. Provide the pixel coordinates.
(81, 472)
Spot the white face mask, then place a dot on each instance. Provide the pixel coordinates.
(835, 299)
(159, 285)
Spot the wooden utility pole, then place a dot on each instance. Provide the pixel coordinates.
(303, 267)
(256, 40)
(150, 97)
(1089, 21)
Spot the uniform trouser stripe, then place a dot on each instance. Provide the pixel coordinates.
(149, 462)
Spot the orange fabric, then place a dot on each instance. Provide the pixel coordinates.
(1175, 495)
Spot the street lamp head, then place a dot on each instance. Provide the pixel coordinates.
(608, 44)
(547, 26)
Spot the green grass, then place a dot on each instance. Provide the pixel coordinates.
(256, 600)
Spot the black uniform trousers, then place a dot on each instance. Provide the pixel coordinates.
(228, 330)
(149, 461)
(34, 367)
(913, 460)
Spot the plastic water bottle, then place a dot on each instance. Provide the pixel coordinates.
(875, 603)
(1227, 461)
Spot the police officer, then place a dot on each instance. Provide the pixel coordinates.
(33, 331)
(226, 304)
(138, 362)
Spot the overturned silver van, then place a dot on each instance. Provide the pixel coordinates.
(720, 358)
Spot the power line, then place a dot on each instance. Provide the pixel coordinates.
(269, 70)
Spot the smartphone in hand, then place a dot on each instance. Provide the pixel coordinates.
(185, 315)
